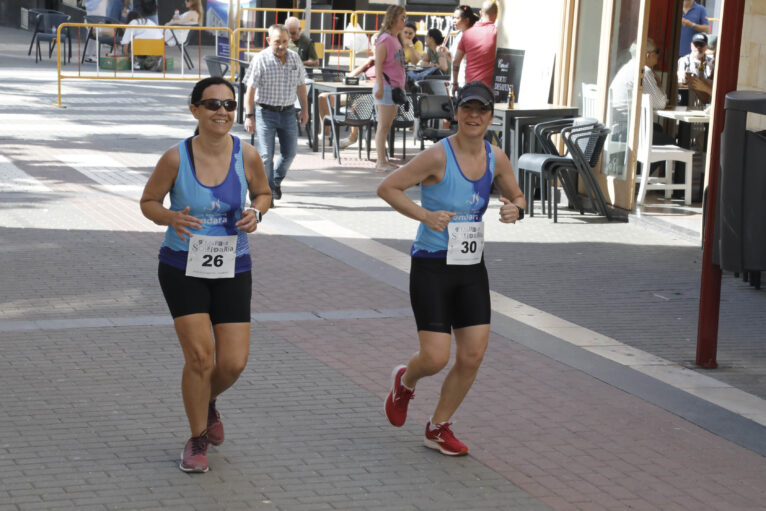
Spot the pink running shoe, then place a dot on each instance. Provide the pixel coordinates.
(194, 457)
(443, 440)
(214, 425)
(398, 399)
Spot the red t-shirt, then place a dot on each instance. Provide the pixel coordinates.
(479, 44)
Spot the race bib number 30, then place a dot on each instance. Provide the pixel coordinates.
(211, 257)
(466, 242)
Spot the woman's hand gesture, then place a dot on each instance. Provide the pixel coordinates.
(438, 220)
(182, 221)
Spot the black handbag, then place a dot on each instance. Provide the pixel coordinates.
(398, 94)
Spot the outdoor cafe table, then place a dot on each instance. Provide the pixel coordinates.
(685, 118)
(320, 87)
(515, 120)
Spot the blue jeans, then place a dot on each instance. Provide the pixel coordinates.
(284, 125)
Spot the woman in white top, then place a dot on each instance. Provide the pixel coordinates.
(192, 17)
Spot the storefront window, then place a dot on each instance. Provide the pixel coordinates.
(586, 66)
(622, 69)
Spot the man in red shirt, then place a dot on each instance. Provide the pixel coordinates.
(478, 46)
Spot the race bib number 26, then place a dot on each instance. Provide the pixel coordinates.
(211, 257)
(466, 242)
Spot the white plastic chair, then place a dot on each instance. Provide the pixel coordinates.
(648, 154)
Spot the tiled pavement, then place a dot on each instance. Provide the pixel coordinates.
(90, 367)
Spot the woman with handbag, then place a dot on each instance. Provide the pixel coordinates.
(389, 66)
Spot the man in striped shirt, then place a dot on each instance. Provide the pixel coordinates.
(275, 78)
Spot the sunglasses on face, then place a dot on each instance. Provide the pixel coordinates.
(214, 104)
(699, 45)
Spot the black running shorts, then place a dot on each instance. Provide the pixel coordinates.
(225, 300)
(446, 297)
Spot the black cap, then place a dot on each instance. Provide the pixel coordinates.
(476, 91)
(699, 37)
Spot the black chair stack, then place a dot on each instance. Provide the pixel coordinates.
(359, 111)
(47, 22)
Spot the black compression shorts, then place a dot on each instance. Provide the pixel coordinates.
(225, 300)
(446, 296)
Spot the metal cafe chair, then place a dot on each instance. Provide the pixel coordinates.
(359, 112)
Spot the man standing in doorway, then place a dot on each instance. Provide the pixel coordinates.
(274, 79)
(300, 42)
(478, 45)
(694, 21)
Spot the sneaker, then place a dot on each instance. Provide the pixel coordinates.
(345, 142)
(194, 457)
(398, 399)
(214, 425)
(89, 60)
(443, 440)
(277, 192)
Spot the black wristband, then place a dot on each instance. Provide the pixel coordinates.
(521, 212)
(247, 116)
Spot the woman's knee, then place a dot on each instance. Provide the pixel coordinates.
(433, 361)
(233, 366)
(469, 360)
(200, 360)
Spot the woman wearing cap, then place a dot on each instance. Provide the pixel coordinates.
(449, 287)
(204, 268)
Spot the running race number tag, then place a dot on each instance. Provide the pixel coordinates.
(211, 257)
(466, 242)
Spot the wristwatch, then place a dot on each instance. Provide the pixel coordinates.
(258, 214)
(247, 116)
(521, 212)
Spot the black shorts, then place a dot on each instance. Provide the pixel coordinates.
(446, 296)
(225, 300)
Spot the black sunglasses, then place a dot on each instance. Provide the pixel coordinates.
(214, 104)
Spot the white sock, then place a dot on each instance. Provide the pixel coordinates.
(432, 426)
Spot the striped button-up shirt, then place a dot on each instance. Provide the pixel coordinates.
(275, 83)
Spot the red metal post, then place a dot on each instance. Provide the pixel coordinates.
(727, 71)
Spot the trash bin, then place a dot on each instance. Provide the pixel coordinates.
(740, 229)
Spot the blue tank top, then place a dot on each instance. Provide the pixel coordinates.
(218, 207)
(456, 193)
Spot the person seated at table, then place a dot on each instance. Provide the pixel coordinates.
(300, 42)
(436, 58)
(413, 49)
(652, 87)
(695, 70)
(137, 20)
(191, 18)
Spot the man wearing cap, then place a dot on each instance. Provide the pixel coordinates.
(694, 21)
(449, 286)
(695, 70)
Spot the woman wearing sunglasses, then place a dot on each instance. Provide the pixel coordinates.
(204, 267)
(449, 286)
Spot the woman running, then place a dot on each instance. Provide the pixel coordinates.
(449, 287)
(204, 267)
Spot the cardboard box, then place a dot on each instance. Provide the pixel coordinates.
(122, 63)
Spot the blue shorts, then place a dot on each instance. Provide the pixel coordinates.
(387, 99)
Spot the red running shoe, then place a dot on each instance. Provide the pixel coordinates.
(194, 457)
(214, 425)
(398, 399)
(443, 440)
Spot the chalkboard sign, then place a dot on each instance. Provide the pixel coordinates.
(508, 64)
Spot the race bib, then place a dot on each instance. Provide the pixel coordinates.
(211, 257)
(466, 242)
